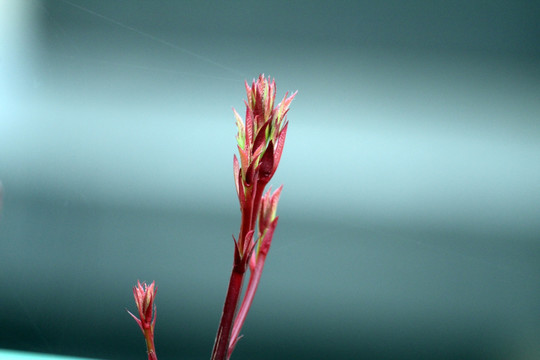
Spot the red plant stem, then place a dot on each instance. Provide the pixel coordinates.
(257, 202)
(248, 216)
(150, 348)
(253, 283)
(221, 344)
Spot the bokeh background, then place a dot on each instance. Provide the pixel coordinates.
(410, 217)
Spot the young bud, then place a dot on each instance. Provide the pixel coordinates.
(144, 299)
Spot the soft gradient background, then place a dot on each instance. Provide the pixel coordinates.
(410, 218)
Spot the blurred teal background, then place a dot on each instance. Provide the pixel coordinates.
(410, 217)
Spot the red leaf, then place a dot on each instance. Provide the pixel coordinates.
(249, 128)
(279, 146)
(275, 199)
(249, 175)
(243, 158)
(261, 135)
(248, 245)
(267, 163)
(237, 181)
(267, 240)
(248, 91)
(241, 194)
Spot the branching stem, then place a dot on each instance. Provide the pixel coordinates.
(221, 344)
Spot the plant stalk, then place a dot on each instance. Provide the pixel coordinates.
(254, 278)
(150, 348)
(221, 344)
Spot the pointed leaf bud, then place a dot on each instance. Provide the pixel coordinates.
(268, 210)
(267, 164)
